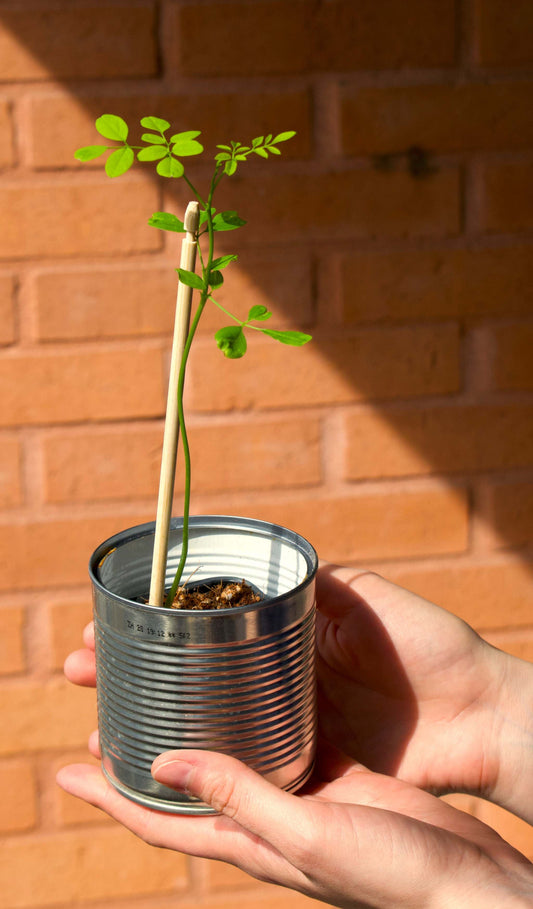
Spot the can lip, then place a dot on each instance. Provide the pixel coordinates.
(233, 522)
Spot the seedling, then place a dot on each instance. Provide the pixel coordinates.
(166, 152)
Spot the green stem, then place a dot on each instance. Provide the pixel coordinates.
(181, 385)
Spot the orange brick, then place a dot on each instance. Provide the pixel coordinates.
(511, 513)
(7, 156)
(400, 441)
(60, 124)
(63, 386)
(7, 309)
(518, 643)
(275, 37)
(514, 830)
(507, 203)
(436, 284)
(52, 715)
(389, 363)
(392, 523)
(440, 118)
(47, 553)
(67, 619)
(512, 360)
(134, 301)
(12, 648)
(357, 203)
(10, 471)
(18, 795)
(124, 462)
(86, 42)
(505, 32)
(60, 868)
(90, 217)
(486, 594)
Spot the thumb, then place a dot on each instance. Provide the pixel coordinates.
(236, 791)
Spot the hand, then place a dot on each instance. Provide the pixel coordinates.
(356, 840)
(409, 689)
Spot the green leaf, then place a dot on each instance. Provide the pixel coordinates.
(155, 123)
(170, 167)
(224, 147)
(165, 221)
(112, 127)
(257, 141)
(189, 134)
(153, 139)
(222, 156)
(119, 161)
(261, 152)
(152, 153)
(224, 261)
(259, 314)
(282, 137)
(190, 279)
(231, 341)
(230, 167)
(294, 338)
(203, 215)
(227, 220)
(273, 150)
(186, 147)
(216, 279)
(88, 152)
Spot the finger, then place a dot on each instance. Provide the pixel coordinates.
(335, 590)
(237, 792)
(88, 635)
(94, 744)
(80, 668)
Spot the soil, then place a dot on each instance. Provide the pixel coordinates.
(215, 595)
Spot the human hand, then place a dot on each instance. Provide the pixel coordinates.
(411, 690)
(355, 840)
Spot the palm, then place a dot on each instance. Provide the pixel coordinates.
(398, 683)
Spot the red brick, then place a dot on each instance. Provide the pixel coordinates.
(136, 301)
(90, 217)
(67, 618)
(514, 830)
(402, 441)
(355, 203)
(486, 594)
(18, 795)
(12, 648)
(89, 41)
(10, 471)
(124, 462)
(518, 643)
(7, 309)
(505, 32)
(507, 203)
(64, 386)
(48, 553)
(51, 715)
(61, 868)
(511, 513)
(60, 124)
(512, 360)
(392, 523)
(275, 37)
(440, 118)
(436, 284)
(7, 155)
(389, 363)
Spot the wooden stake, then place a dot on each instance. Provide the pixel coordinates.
(171, 433)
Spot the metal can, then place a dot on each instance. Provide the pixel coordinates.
(240, 680)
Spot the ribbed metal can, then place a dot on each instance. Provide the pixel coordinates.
(241, 680)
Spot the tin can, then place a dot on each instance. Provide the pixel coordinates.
(241, 680)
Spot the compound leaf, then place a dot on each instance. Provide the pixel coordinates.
(224, 261)
(153, 139)
(231, 341)
(227, 220)
(119, 161)
(88, 152)
(294, 338)
(152, 153)
(259, 314)
(170, 167)
(165, 221)
(155, 123)
(112, 127)
(282, 137)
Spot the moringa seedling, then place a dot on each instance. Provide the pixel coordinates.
(166, 152)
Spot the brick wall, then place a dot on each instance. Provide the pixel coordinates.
(401, 438)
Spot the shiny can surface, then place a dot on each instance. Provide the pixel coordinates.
(240, 680)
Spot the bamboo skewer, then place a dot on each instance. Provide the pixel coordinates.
(171, 432)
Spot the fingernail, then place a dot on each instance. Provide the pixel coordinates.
(174, 774)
